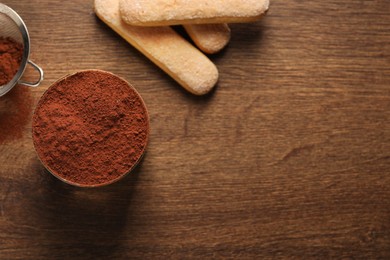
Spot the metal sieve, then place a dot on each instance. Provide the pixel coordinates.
(11, 25)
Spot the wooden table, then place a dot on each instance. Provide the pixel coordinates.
(289, 157)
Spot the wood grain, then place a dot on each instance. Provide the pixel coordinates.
(288, 158)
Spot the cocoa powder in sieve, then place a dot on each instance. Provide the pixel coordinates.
(90, 128)
(11, 54)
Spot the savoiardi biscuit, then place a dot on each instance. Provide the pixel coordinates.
(210, 38)
(174, 12)
(163, 46)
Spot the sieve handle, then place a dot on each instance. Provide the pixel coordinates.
(33, 84)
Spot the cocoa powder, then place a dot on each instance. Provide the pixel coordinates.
(90, 128)
(11, 54)
(15, 114)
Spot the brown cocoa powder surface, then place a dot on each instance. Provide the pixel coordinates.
(90, 128)
(11, 54)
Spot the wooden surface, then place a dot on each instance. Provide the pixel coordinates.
(289, 157)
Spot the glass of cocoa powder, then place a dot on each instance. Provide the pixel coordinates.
(90, 128)
(14, 51)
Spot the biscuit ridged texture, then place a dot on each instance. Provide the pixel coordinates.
(163, 46)
(174, 12)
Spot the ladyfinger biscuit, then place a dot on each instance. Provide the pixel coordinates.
(163, 46)
(174, 12)
(210, 38)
